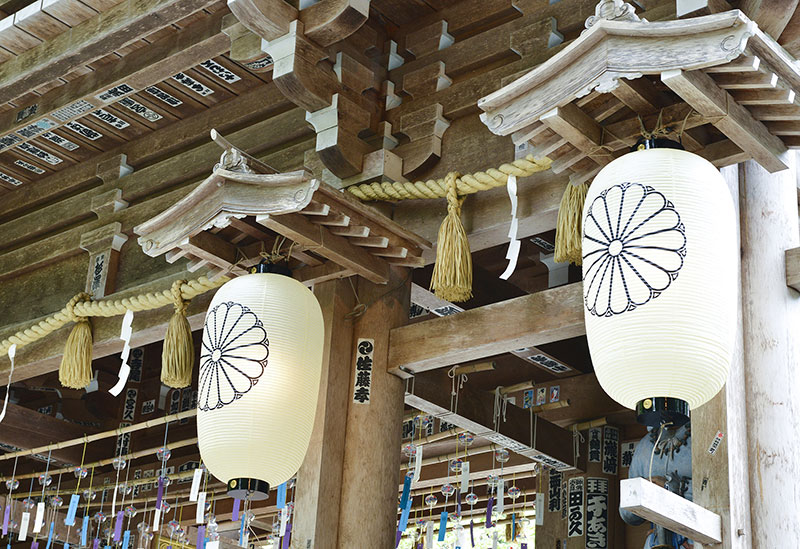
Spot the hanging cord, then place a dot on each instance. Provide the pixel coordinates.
(458, 382)
(361, 308)
(577, 440)
(534, 427)
(500, 407)
(653, 454)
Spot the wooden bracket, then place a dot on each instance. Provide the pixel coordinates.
(245, 45)
(338, 144)
(651, 502)
(103, 245)
(424, 129)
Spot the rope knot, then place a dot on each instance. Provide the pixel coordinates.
(79, 298)
(453, 202)
(177, 296)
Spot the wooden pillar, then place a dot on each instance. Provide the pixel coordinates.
(319, 480)
(368, 514)
(720, 478)
(771, 316)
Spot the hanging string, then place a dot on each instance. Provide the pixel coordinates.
(653, 454)
(577, 440)
(458, 382)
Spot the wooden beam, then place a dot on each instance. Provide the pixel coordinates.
(701, 92)
(520, 432)
(772, 16)
(298, 228)
(26, 428)
(793, 268)
(655, 504)
(89, 41)
(764, 97)
(580, 129)
(527, 321)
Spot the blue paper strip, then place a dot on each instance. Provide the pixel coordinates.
(472, 532)
(404, 516)
(66, 546)
(282, 496)
(513, 526)
(241, 531)
(84, 530)
(50, 535)
(74, 500)
(406, 489)
(443, 526)
(126, 538)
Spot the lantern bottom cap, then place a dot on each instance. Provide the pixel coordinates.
(251, 489)
(658, 411)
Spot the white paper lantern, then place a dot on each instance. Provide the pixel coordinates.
(660, 281)
(259, 378)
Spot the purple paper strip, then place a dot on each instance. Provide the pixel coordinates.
(397, 539)
(288, 536)
(471, 532)
(523, 546)
(160, 493)
(95, 543)
(6, 516)
(201, 536)
(235, 515)
(458, 502)
(34, 545)
(118, 526)
(489, 512)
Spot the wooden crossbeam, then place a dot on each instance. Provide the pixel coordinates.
(764, 97)
(656, 504)
(751, 81)
(521, 431)
(336, 248)
(214, 250)
(528, 321)
(90, 40)
(701, 92)
(577, 127)
(793, 268)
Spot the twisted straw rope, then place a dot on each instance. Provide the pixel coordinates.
(78, 307)
(437, 188)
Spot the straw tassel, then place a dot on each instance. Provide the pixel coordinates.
(76, 363)
(570, 225)
(452, 273)
(177, 358)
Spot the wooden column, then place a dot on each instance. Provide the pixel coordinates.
(771, 313)
(720, 479)
(368, 515)
(319, 481)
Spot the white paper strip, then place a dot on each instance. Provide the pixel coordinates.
(23, 526)
(429, 535)
(540, 509)
(114, 500)
(494, 540)
(465, 477)
(196, 480)
(156, 520)
(212, 544)
(12, 352)
(284, 520)
(501, 495)
(201, 508)
(514, 246)
(38, 522)
(417, 465)
(124, 369)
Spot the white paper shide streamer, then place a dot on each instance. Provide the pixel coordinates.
(12, 352)
(514, 245)
(465, 477)
(23, 526)
(124, 369)
(501, 495)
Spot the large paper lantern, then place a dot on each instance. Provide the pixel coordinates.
(660, 281)
(259, 378)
